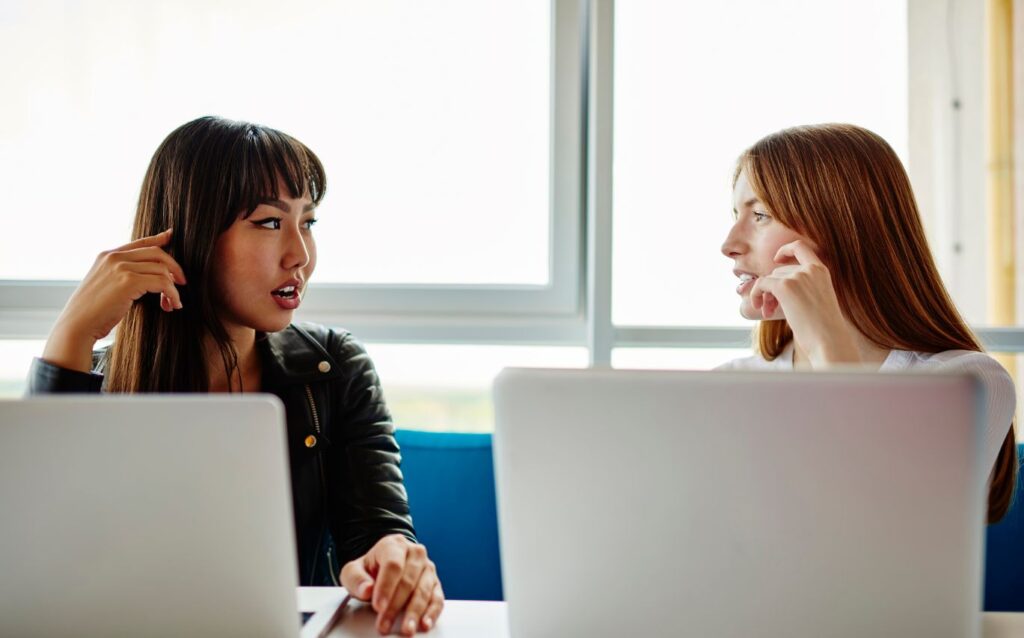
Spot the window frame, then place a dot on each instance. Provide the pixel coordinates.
(28, 308)
(575, 309)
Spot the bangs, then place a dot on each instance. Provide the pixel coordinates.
(267, 156)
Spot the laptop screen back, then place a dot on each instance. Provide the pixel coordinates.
(739, 504)
(146, 516)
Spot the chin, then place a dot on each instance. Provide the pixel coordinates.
(275, 326)
(270, 324)
(747, 311)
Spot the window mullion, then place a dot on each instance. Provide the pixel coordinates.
(599, 58)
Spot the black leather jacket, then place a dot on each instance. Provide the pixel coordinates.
(346, 483)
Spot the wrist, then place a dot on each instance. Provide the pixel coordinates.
(69, 348)
(837, 350)
(832, 345)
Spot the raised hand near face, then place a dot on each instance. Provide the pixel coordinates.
(116, 280)
(800, 290)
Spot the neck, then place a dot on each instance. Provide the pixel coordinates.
(249, 368)
(861, 352)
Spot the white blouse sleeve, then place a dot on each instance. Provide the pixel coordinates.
(1000, 399)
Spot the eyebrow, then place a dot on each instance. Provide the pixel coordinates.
(281, 206)
(748, 203)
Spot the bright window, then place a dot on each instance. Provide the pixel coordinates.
(698, 82)
(15, 359)
(432, 120)
(448, 387)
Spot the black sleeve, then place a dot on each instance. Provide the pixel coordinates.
(367, 497)
(46, 378)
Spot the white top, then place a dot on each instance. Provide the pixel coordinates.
(1001, 397)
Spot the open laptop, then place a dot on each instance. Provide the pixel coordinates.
(730, 504)
(153, 516)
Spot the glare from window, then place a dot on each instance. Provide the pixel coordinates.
(448, 387)
(431, 118)
(698, 82)
(15, 360)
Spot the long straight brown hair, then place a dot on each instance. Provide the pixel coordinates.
(843, 187)
(200, 179)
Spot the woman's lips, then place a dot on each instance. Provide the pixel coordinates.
(746, 283)
(288, 303)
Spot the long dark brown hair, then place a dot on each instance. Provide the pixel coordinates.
(203, 175)
(844, 187)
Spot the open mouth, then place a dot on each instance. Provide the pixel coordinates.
(746, 282)
(288, 292)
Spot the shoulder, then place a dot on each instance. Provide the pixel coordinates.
(1001, 396)
(338, 342)
(309, 351)
(324, 336)
(948, 361)
(753, 362)
(756, 362)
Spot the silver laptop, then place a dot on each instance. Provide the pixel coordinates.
(146, 516)
(724, 504)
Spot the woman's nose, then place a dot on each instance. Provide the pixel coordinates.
(297, 253)
(733, 244)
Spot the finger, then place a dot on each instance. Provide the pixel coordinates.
(769, 305)
(145, 268)
(419, 600)
(433, 609)
(757, 291)
(390, 559)
(142, 284)
(416, 563)
(159, 239)
(415, 566)
(357, 580)
(148, 268)
(783, 271)
(799, 251)
(156, 255)
(763, 296)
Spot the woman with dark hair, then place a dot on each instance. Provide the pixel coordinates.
(203, 298)
(832, 259)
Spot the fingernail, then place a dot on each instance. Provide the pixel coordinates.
(384, 603)
(180, 306)
(410, 626)
(428, 622)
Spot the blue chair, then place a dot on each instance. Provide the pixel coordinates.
(1004, 556)
(450, 481)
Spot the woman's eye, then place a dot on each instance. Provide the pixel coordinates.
(270, 223)
(309, 224)
(760, 217)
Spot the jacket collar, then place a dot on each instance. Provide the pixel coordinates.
(292, 356)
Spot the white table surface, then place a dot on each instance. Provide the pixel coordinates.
(460, 618)
(472, 619)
